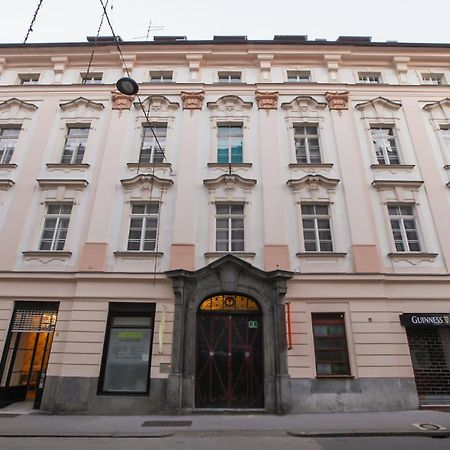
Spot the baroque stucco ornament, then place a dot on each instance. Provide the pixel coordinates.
(192, 100)
(337, 100)
(267, 100)
(121, 101)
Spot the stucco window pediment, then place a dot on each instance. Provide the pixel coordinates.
(5, 184)
(398, 191)
(438, 106)
(229, 187)
(158, 104)
(379, 109)
(145, 187)
(15, 105)
(303, 106)
(229, 105)
(57, 189)
(81, 104)
(314, 188)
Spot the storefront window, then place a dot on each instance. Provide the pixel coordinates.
(127, 352)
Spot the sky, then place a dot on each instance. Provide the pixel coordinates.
(72, 21)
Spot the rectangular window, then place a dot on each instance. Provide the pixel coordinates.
(151, 152)
(165, 76)
(297, 76)
(128, 348)
(404, 229)
(230, 77)
(143, 227)
(230, 228)
(369, 77)
(8, 140)
(91, 78)
(307, 148)
(433, 78)
(230, 143)
(446, 137)
(56, 224)
(385, 145)
(75, 145)
(28, 78)
(330, 344)
(316, 228)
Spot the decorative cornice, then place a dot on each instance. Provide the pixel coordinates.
(157, 103)
(313, 182)
(67, 166)
(321, 254)
(6, 184)
(53, 254)
(53, 183)
(81, 101)
(267, 100)
(337, 100)
(20, 103)
(121, 101)
(229, 103)
(230, 181)
(379, 100)
(192, 100)
(380, 184)
(303, 103)
(438, 104)
(145, 179)
(141, 255)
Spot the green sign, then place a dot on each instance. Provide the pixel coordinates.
(253, 324)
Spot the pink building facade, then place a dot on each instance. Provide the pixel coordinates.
(273, 238)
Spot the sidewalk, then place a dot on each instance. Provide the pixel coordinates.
(399, 423)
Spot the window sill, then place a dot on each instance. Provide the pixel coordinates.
(334, 377)
(412, 255)
(68, 166)
(145, 165)
(321, 255)
(447, 166)
(311, 166)
(238, 254)
(395, 167)
(6, 184)
(131, 254)
(227, 165)
(8, 166)
(47, 253)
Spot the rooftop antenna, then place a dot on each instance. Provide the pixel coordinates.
(150, 28)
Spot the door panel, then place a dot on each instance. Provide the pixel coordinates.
(229, 364)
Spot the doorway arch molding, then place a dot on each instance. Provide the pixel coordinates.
(229, 275)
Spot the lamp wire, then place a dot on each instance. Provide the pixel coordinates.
(30, 29)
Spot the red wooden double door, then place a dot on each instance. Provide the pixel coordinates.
(229, 354)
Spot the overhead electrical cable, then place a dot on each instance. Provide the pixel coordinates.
(128, 74)
(30, 29)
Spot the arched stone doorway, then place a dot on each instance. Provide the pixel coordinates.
(235, 277)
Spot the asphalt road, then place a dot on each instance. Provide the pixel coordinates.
(279, 442)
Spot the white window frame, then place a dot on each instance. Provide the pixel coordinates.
(154, 147)
(146, 216)
(370, 78)
(59, 228)
(385, 149)
(300, 76)
(319, 243)
(433, 78)
(229, 124)
(161, 76)
(229, 76)
(401, 218)
(29, 78)
(307, 144)
(91, 78)
(75, 154)
(8, 151)
(230, 217)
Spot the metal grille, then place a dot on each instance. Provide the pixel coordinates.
(34, 320)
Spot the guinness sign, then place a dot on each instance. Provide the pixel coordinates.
(425, 319)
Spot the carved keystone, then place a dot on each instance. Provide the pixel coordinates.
(121, 101)
(267, 100)
(337, 100)
(192, 100)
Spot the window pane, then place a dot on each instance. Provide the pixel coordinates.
(127, 361)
